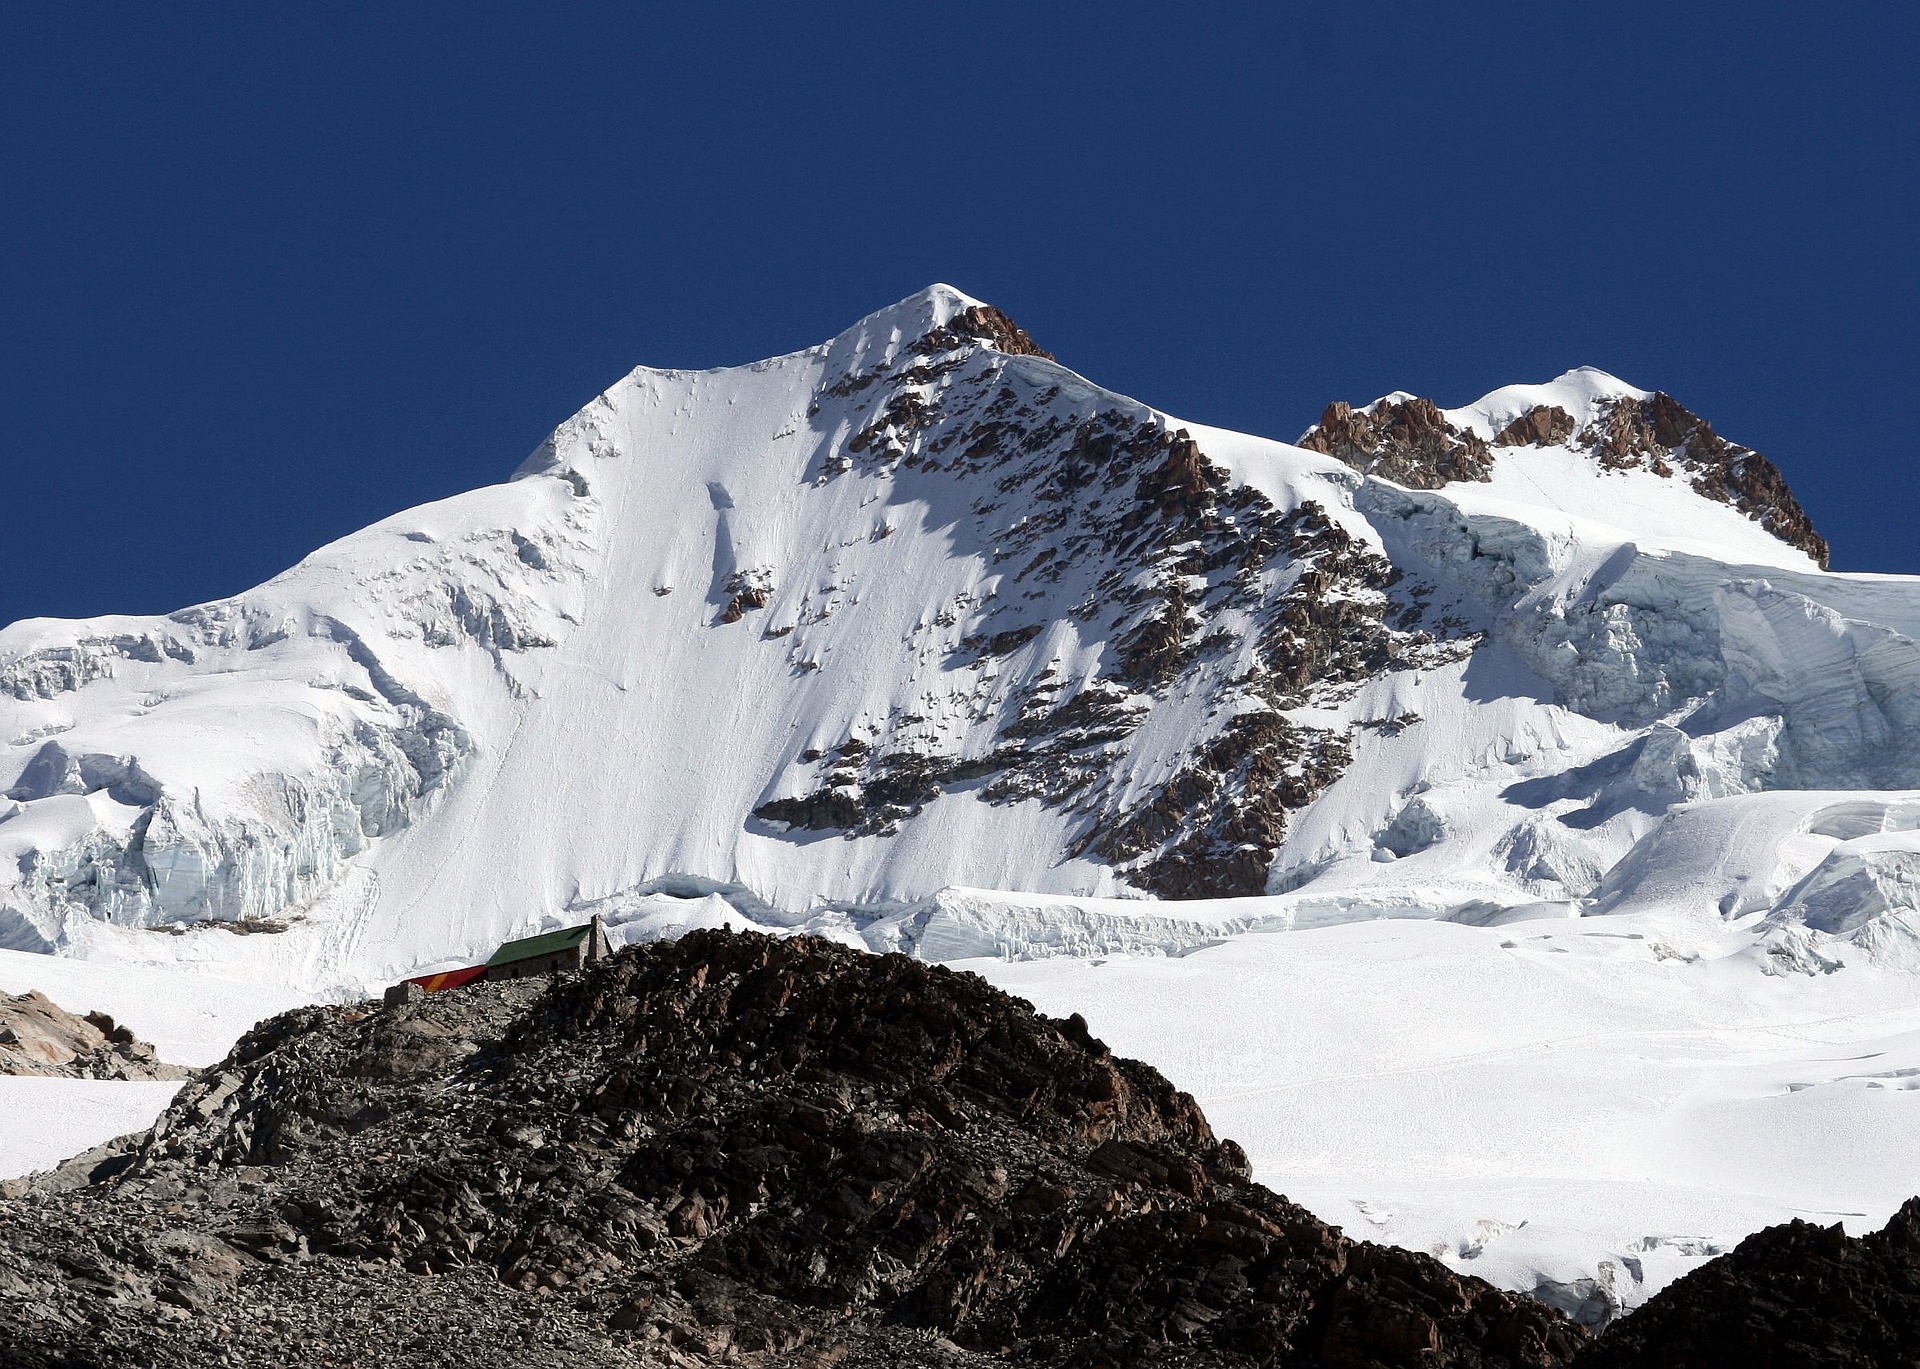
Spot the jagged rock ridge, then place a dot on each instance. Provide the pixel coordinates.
(1414, 442)
(1403, 439)
(726, 1149)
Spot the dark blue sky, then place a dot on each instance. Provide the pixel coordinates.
(271, 271)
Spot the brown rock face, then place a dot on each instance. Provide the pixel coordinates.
(1541, 426)
(1407, 441)
(1794, 1295)
(1110, 521)
(984, 323)
(726, 1149)
(39, 1037)
(987, 323)
(1213, 829)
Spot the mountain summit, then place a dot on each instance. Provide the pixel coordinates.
(920, 608)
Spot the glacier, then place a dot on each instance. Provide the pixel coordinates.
(1525, 750)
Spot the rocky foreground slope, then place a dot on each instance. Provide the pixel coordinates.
(732, 1149)
(726, 1149)
(1797, 1294)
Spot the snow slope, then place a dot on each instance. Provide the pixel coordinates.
(478, 713)
(45, 1121)
(919, 640)
(1586, 1108)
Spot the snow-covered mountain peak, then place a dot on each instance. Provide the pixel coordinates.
(1585, 394)
(912, 318)
(896, 342)
(916, 607)
(919, 607)
(932, 320)
(1587, 444)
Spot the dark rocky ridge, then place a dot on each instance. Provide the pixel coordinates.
(1411, 442)
(1796, 1296)
(1658, 430)
(726, 1149)
(1184, 566)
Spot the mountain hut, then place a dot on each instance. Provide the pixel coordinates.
(570, 948)
(567, 949)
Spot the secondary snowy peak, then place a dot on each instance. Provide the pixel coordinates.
(1586, 395)
(1617, 427)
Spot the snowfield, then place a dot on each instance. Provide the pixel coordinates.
(1523, 864)
(45, 1121)
(1584, 1107)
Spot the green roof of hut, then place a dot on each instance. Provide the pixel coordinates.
(532, 947)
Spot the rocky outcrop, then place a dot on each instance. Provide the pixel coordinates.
(1118, 528)
(747, 590)
(1660, 434)
(1411, 441)
(39, 1037)
(1543, 425)
(1403, 439)
(1796, 1295)
(725, 1149)
(983, 323)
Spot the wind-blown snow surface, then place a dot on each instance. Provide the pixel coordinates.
(920, 640)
